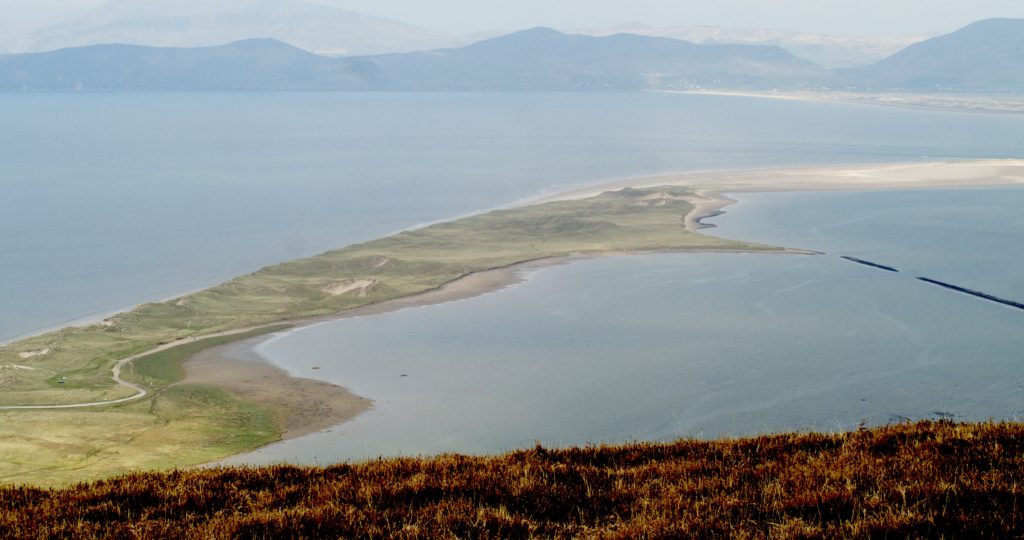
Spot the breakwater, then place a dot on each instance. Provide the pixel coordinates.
(868, 263)
(971, 292)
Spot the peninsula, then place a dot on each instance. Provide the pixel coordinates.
(95, 401)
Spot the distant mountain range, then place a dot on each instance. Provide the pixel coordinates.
(335, 32)
(538, 59)
(544, 59)
(985, 56)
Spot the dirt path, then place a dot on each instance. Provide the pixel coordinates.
(140, 391)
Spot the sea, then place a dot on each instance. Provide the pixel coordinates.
(114, 199)
(109, 200)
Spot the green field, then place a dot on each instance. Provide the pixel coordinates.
(194, 425)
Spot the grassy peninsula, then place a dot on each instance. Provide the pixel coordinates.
(926, 480)
(178, 425)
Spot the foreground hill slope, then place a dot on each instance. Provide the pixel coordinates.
(987, 56)
(912, 480)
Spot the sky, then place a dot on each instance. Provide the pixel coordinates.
(845, 17)
(840, 17)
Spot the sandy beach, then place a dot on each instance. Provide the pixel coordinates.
(711, 187)
(305, 405)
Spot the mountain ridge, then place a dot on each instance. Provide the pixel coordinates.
(534, 59)
(986, 56)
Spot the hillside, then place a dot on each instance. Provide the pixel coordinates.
(987, 56)
(926, 480)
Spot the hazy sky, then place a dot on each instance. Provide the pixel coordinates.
(854, 17)
(851, 17)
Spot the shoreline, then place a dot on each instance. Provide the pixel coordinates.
(709, 201)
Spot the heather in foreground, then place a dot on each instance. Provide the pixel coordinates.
(912, 480)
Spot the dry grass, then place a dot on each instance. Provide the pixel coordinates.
(921, 480)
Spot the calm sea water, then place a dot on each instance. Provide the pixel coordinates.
(662, 346)
(109, 200)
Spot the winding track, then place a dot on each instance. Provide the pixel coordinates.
(140, 391)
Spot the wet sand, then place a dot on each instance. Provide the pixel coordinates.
(300, 406)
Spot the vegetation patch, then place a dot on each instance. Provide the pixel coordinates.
(925, 480)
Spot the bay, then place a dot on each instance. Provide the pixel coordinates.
(111, 200)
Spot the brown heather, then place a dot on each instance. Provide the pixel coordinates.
(928, 480)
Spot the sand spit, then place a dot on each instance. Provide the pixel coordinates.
(305, 406)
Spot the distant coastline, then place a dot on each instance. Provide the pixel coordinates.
(976, 103)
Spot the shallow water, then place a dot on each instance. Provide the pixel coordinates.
(109, 200)
(661, 346)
